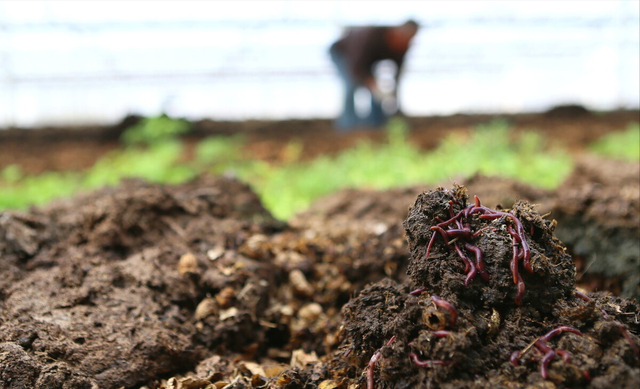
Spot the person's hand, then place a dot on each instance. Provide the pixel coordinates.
(375, 91)
(380, 95)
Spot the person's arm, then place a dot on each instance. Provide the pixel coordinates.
(399, 67)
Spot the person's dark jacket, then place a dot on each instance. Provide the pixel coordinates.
(362, 47)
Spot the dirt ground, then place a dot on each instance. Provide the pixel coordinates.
(45, 149)
(198, 286)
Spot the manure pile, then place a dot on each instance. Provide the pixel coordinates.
(197, 286)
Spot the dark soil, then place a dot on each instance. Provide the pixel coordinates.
(123, 286)
(132, 285)
(197, 286)
(475, 349)
(95, 293)
(599, 210)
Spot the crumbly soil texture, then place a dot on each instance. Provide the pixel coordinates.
(198, 286)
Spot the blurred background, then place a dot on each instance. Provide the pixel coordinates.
(78, 63)
(536, 100)
(541, 96)
(97, 91)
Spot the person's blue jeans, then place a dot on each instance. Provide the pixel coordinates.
(349, 119)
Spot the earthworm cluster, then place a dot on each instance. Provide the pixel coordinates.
(549, 353)
(436, 337)
(457, 233)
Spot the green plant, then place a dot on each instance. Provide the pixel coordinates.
(219, 149)
(11, 174)
(623, 145)
(37, 189)
(291, 187)
(155, 130)
(157, 163)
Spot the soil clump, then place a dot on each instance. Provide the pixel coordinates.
(451, 330)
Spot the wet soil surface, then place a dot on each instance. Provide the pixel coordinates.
(197, 286)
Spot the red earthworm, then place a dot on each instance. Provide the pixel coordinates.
(417, 291)
(433, 237)
(477, 233)
(541, 344)
(519, 231)
(582, 296)
(444, 304)
(442, 232)
(479, 262)
(465, 259)
(557, 331)
(513, 358)
(513, 265)
(626, 335)
(470, 210)
(428, 363)
(470, 267)
(371, 370)
(453, 219)
(458, 233)
(451, 214)
(548, 356)
(517, 279)
(513, 233)
(458, 224)
(474, 207)
(566, 356)
(372, 365)
(441, 333)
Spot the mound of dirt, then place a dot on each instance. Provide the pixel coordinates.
(102, 290)
(598, 209)
(490, 284)
(122, 286)
(197, 286)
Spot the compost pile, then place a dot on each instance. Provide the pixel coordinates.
(197, 286)
(488, 290)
